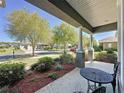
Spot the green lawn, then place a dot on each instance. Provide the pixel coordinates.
(28, 61)
(5, 51)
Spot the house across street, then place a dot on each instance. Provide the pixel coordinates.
(109, 42)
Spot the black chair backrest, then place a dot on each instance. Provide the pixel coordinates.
(116, 68)
(100, 90)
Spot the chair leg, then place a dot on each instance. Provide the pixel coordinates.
(114, 85)
(100, 84)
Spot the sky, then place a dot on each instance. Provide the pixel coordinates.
(12, 5)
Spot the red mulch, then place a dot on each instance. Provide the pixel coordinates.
(35, 81)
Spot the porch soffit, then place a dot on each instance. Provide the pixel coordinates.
(95, 15)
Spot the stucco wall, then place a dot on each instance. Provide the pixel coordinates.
(109, 45)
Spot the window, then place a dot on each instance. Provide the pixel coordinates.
(109, 45)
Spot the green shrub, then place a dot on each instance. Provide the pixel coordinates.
(106, 57)
(66, 58)
(43, 64)
(9, 73)
(112, 58)
(110, 51)
(98, 48)
(114, 49)
(56, 60)
(53, 76)
(58, 67)
(47, 48)
(33, 66)
(99, 55)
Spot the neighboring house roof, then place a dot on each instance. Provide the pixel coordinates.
(109, 39)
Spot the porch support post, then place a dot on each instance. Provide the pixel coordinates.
(80, 59)
(91, 50)
(121, 41)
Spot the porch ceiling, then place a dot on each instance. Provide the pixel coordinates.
(95, 15)
(96, 12)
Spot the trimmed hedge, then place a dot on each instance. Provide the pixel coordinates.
(110, 50)
(9, 73)
(43, 64)
(106, 57)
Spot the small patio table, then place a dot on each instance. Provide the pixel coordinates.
(96, 76)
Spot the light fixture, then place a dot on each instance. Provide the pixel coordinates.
(2, 3)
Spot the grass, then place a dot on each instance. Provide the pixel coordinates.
(5, 51)
(30, 60)
(27, 61)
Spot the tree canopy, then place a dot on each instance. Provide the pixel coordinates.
(64, 34)
(23, 25)
(86, 41)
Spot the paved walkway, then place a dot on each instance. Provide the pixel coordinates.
(73, 81)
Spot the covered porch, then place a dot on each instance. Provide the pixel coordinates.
(95, 16)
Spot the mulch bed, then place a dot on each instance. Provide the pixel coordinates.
(36, 80)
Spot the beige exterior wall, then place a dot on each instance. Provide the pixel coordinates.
(109, 45)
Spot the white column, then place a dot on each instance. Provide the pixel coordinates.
(91, 50)
(80, 59)
(121, 41)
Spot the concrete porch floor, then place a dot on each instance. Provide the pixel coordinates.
(73, 81)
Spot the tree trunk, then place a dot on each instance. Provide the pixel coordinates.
(64, 48)
(33, 50)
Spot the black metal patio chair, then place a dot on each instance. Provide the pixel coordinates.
(113, 82)
(98, 90)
